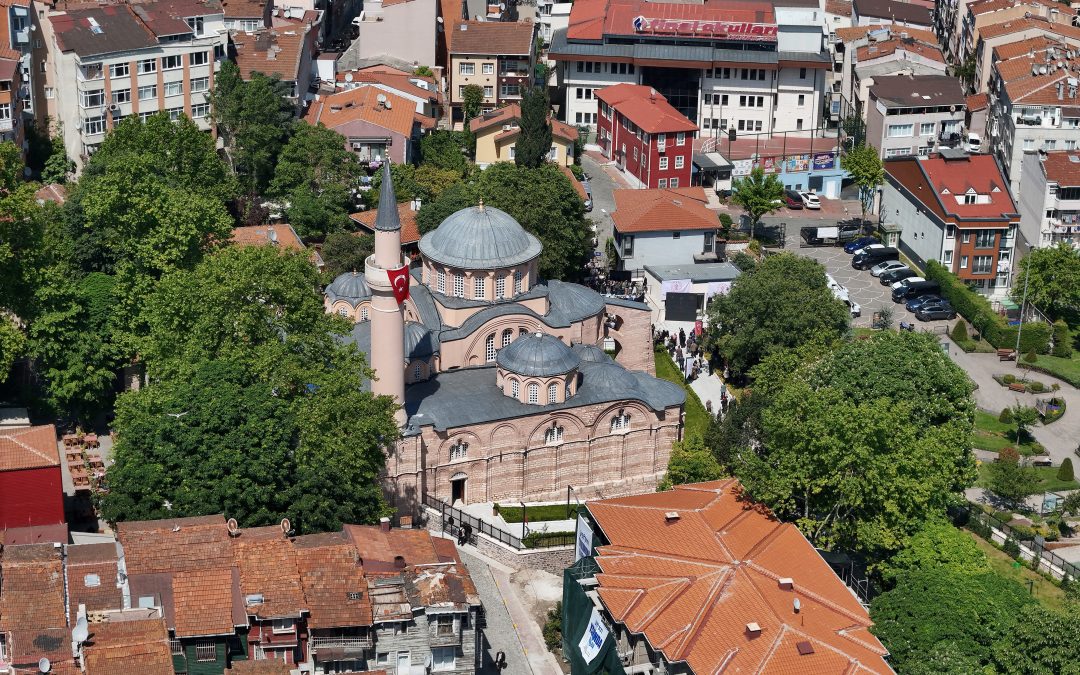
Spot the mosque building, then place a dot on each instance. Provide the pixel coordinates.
(511, 387)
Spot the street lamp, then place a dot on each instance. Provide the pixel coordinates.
(1023, 301)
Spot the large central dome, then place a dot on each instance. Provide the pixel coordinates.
(480, 238)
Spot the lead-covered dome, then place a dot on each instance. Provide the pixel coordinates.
(537, 355)
(419, 342)
(479, 238)
(348, 286)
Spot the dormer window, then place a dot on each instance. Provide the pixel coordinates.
(459, 450)
(195, 23)
(970, 198)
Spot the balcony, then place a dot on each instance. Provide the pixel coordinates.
(358, 642)
(7, 124)
(446, 639)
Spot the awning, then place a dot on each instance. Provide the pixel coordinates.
(711, 160)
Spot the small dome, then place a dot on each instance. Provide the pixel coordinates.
(480, 237)
(574, 300)
(537, 354)
(611, 377)
(592, 354)
(419, 342)
(349, 286)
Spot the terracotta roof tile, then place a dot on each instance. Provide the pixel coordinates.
(92, 576)
(271, 51)
(977, 102)
(879, 50)
(928, 177)
(32, 603)
(579, 187)
(140, 646)
(511, 114)
(268, 568)
(398, 80)
(175, 545)
(890, 9)
(1011, 50)
(264, 667)
(849, 34)
(203, 602)
(691, 585)
(379, 548)
(442, 585)
(334, 584)
(244, 9)
(362, 105)
(257, 235)
(29, 448)
(410, 231)
(1012, 26)
(662, 210)
(645, 107)
(838, 7)
(1061, 168)
(512, 38)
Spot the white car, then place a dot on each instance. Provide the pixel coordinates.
(905, 282)
(887, 266)
(810, 200)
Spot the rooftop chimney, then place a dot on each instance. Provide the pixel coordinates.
(671, 516)
(384, 524)
(786, 583)
(753, 629)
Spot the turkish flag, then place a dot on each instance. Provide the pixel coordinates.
(399, 281)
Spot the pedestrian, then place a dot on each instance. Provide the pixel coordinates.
(682, 337)
(708, 406)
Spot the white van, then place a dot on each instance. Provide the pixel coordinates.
(974, 143)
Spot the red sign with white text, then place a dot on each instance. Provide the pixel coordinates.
(399, 281)
(733, 30)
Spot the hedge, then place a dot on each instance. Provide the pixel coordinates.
(1062, 340)
(977, 310)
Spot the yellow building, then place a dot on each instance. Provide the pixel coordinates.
(497, 133)
(497, 56)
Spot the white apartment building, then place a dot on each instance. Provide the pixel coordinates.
(752, 70)
(1050, 199)
(112, 61)
(552, 16)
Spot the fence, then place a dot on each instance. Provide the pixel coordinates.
(460, 519)
(990, 528)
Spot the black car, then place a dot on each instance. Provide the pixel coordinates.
(915, 303)
(935, 310)
(889, 278)
(868, 257)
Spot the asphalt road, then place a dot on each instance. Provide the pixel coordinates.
(602, 187)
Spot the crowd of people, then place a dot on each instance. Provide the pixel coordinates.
(689, 357)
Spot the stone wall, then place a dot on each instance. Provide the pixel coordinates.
(634, 336)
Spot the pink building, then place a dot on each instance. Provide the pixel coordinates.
(650, 141)
(512, 387)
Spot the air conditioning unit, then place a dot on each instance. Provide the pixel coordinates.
(114, 108)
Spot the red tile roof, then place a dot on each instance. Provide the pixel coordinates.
(264, 667)
(977, 102)
(271, 51)
(32, 604)
(878, 50)
(838, 7)
(395, 79)
(511, 114)
(92, 578)
(410, 231)
(29, 448)
(853, 33)
(503, 38)
(1038, 43)
(579, 187)
(256, 235)
(176, 544)
(1063, 168)
(662, 210)
(334, 583)
(203, 602)
(268, 568)
(936, 183)
(645, 107)
(691, 585)
(1028, 23)
(379, 548)
(140, 646)
(362, 104)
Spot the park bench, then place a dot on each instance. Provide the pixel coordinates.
(1017, 386)
(1006, 355)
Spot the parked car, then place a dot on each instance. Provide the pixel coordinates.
(810, 200)
(588, 196)
(861, 243)
(848, 231)
(889, 278)
(870, 256)
(932, 311)
(792, 199)
(910, 288)
(914, 304)
(886, 266)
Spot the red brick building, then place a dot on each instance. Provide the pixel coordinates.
(31, 489)
(650, 141)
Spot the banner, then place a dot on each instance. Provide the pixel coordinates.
(399, 281)
(741, 167)
(797, 163)
(593, 639)
(824, 160)
(674, 286)
(584, 539)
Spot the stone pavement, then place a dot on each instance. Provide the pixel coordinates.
(709, 388)
(509, 627)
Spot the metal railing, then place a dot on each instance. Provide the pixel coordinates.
(990, 528)
(460, 519)
(320, 641)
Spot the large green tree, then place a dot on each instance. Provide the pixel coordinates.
(1009, 479)
(784, 302)
(445, 150)
(1042, 641)
(865, 167)
(939, 545)
(690, 462)
(346, 252)
(316, 174)
(757, 194)
(534, 141)
(1052, 278)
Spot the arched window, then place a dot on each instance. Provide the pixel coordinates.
(417, 371)
(534, 393)
(441, 283)
(523, 331)
(342, 311)
(553, 393)
(479, 288)
(459, 450)
(489, 348)
(363, 314)
(500, 286)
(553, 434)
(508, 336)
(621, 421)
(515, 389)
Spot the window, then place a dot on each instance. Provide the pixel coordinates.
(680, 138)
(488, 68)
(479, 290)
(663, 163)
(708, 244)
(94, 125)
(1070, 145)
(676, 235)
(459, 285)
(200, 111)
(199, 58)
(174, 113)
(985, 239)
(963, 262)
(382, 658)
(898, 152)
(518, 285)
(802, 100)
(174, 88)
(284, 625)
(1029, 144)
(174, 62)
(147, 66)
(680, 161)
(195, 23)
(507, 336)
(553, 434)
(620, 422)
(510, 90)
(121, 96)
(967, 237)
(553, 393)
(802, 73)
(176, 648)
(148, 92)
(982, 264)
(534, 393)
(950, 231)
(489, 348)
(444, 624)
(205, 650)
(900, 130)
(93, 99)
(926, 129)
(673, 183)
(628, 246)
(946, 257)
(418, 371)
(970, 199)
(118, 70)
(662, 183)
(500, 287)
(515, 389)
(441, 282)
(466, 68)
(200, 84)
(143, 116)
(442, 658)
(458, 451)
(1050, 145)
(342, 311)
(489, 92)
(363, 314)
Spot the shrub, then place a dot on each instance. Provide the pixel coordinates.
(1003, 516)
(1031, 356)
(1023, 532)
(1038, 448)
(1008, 378)
(578, 172)
(1065, 471)
(1006, 413)
(1063, 347)
(725, 221)
(1036, 386)
(553, 628)
(959, 332)
(1011, 547)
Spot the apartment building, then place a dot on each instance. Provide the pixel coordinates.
(21, 41)
(992, 12)
(552, 16)
(497, 133)
(284, 52)
(650, 141)
(113, 61)
(402, 30)
(915, 115)
(1001, 35)
(663, 227)
(879, 12)
(497, 56)
(1033, 102)
(884, 53)
(954, 208)
(1049, 199)
(246, 15)
(754, 67)
(377, 125)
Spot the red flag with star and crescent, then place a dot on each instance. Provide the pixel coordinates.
(399, 281)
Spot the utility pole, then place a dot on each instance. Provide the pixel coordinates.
(1023, 301)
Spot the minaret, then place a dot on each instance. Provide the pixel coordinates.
(387, 319)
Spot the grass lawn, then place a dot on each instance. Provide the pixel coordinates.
(697, 418)
(1048, 481)
(992, 435)
(1049, 595)
(1065, 369)
(512, 514)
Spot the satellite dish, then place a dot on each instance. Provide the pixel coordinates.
(234, 527)
(286, 526)
(798, 605)
(81, 631)
(381, 98)
(348, 77)
(43, 665)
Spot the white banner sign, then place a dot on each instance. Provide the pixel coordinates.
(584, 539)
(593, 639)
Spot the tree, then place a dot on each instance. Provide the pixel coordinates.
(937, 546)
(1008, 479)
(1053, 283)
(58, 167)
(445, 150)
(316, 174)
(757, 194)
(472, 97)
(1023, 417)
(855, 129)
(345, 252)
(534, 141)
(1065, 471)
(866, 169)
(452, 200)
(959, 333)
(1042, 641)
(783, 303)
(1063, 347)
(423, 71)
(690, 462)
(933, 607)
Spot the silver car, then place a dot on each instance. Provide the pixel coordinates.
(887, 266)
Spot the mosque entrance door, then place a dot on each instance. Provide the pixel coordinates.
(457, 488)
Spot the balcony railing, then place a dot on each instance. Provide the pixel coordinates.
(446, 639)
(357, 641)
(6, 124)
